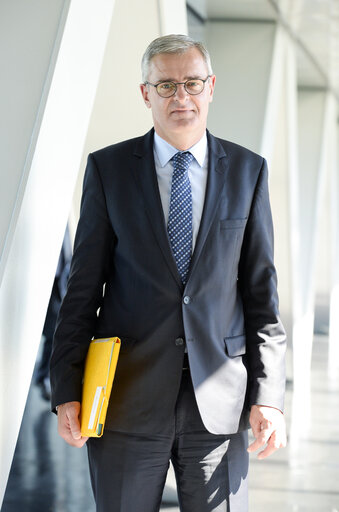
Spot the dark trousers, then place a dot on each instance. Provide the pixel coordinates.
(128, 471)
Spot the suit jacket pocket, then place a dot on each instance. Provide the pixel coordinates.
(235, 345)
(233, 223)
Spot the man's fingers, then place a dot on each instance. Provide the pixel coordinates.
(69, 425)
(268, 426)
(274, 443)
(262, 436)
(74, 424)
(77, 443)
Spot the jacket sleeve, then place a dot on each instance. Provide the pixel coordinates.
(78, 313)
(265, 335)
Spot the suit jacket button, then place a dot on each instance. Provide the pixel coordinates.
(187, 299)
(179, 342)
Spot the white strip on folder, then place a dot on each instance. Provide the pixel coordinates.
(94, 407)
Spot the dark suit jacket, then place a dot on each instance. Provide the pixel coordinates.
(124, 282)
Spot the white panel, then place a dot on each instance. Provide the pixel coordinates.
(278, 158)
(199, 6)
(311, 125)
(32, 259)
(241, 59)
(29, 39)
(173, 17)
(119, 111)
(256, 9)
(279, 146)
(333, 354)
(196, 28)
(315, 114)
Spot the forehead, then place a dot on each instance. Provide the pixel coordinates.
(178, 66)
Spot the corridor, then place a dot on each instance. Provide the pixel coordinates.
(49, 476)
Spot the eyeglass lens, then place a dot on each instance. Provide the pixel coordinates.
(167, 89)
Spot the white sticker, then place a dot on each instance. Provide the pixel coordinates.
(94, 408)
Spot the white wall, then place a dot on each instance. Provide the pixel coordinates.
(29, 40)
(241, 59)
(119, 111)
(334, 291)
(255, 105)
(44, 180)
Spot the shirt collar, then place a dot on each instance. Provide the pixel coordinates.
(165, 151)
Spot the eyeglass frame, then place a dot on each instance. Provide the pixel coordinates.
(176, 86)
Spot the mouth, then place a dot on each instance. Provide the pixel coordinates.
(181, 111)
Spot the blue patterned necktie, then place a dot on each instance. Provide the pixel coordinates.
(180, 213)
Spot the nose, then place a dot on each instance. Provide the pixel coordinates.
(181, 92)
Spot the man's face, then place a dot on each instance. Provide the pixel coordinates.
(181, 114)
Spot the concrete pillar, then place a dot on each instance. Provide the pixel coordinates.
(255, 105)
(119, 112)
(172, 17)
(241, 58)
(333, 355)
(311, 106)
(30, 34)
(60, 46)
(279, 145)
(315, 109)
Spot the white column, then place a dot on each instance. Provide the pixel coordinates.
(119, 111)
(311, 118)
(28, 49)
(38, 224)
(333, 356)
(255, 106)
(314, 131)
(241, 59)
(173, 17)
(279, 145)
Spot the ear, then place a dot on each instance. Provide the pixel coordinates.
(211, 87)
(145, 93)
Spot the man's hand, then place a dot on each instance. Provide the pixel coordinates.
(69, 425)
(268, 426)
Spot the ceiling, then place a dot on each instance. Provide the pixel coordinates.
(314, 24)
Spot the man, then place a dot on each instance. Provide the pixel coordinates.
(177, 226)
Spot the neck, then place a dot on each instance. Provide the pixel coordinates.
(181, 141)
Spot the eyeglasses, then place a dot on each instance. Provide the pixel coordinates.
(193, 86)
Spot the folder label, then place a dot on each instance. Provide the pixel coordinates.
(95, 407)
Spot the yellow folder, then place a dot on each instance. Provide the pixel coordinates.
(100, 365)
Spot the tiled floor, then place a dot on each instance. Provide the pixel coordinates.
(305, 476)
(49, 476)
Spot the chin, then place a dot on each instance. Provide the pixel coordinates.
(181, 124)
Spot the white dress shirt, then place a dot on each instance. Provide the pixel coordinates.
(197, 173)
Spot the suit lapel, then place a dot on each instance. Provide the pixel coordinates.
(145, 175)
(217, 168)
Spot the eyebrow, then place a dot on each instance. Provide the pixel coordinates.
(173, 79)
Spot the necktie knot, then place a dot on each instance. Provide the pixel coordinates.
(182, 161)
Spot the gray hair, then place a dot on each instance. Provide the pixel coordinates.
(173, 43)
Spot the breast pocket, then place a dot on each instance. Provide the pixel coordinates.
(231, 234)
(233, 223)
